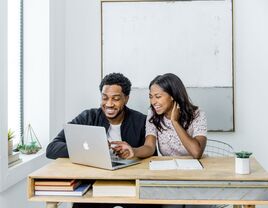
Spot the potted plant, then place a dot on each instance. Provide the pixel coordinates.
(10, 136)
(30, 148)
(242, 165)
(30, 144)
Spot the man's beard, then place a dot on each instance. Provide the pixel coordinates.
(118, 114)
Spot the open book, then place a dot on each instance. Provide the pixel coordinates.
(181, 164)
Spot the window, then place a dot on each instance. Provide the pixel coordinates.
(15, 68)
(28, 68)
(24, 81)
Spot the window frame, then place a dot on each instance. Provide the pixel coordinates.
(18, 126)
(10, 176)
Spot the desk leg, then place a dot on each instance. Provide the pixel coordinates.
(244, 206)
(248, 206)
(52, 205)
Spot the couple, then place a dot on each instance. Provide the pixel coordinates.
(178, 127)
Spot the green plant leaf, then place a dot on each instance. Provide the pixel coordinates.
(28, 148)
(243, 154)
(10, 134)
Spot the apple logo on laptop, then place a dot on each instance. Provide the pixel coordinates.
(86, 146)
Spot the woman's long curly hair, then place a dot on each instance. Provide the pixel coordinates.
(172, 85)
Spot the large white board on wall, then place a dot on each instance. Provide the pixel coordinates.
(192, 39)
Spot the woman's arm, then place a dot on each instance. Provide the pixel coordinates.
(124, 150)
(194, 145)
(148, 149)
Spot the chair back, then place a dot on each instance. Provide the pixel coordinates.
(215, 148)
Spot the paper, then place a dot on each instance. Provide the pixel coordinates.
(179, 164)
(162, 165)
(114, 188)
(188, 164)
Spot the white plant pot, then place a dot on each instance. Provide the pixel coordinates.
(10, 146)
(242, 166)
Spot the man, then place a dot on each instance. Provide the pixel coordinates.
(120, 122)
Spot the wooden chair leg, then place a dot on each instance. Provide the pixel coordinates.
(243, 206)
(52, 205)
(248, 206)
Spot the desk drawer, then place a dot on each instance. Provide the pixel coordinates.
(176, 190)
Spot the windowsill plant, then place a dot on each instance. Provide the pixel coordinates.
(30, 148)
(10, 136)
(30, 144)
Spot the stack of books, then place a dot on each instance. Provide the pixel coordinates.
(14, 159)
(114, 188)
(68, 187)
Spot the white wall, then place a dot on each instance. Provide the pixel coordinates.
(15, 197)
(36, 68)
(82, 56)
(251, 50)
(83, 60)
(57, 65)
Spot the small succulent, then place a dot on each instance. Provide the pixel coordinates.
(31, 148)
(10, 134)
(243, 154)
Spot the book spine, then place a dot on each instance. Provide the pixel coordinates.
(54, 183)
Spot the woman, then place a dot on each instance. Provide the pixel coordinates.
(178, 126)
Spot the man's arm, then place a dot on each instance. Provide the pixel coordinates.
(57, 148)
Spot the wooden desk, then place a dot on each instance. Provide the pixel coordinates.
(217, 183)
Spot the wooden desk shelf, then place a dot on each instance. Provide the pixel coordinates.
(215, 184)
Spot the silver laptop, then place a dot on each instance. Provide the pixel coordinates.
(88, 145)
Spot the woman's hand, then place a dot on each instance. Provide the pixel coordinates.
(175, 113)
(122, 149)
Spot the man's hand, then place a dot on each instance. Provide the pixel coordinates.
(122, 149)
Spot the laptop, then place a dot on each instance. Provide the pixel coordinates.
(88, 145)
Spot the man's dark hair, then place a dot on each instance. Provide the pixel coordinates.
(117, 79)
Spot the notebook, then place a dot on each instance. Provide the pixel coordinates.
(181, 164)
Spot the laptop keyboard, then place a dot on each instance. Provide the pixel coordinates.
(114, 164)
(117, 161)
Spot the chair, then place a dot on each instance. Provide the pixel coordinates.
(215, 148)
